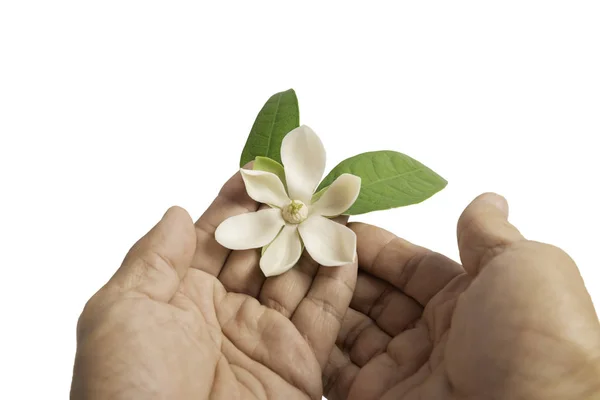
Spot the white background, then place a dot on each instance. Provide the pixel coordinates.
(112, 111)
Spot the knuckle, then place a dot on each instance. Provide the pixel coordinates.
(276, 305)
(150, 264)
(91, 310)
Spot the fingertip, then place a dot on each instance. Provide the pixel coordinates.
(483, 231)
(487, 204)
(495, 200)
(158, 261)
(177, 213)
(178, 219)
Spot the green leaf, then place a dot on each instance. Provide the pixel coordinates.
(388, 179)
(278, 116)
(268, 165)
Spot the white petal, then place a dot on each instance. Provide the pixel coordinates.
(283, 253)
(328, 243)
(250, 230)
(265, 187)
(338, 197)
(303, 158)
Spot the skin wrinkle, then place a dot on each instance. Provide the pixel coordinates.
(275, 305)
(295, 384)
(245, 384)
(393, 354)
(429, 314)
(380, 308)
(346, 372)
(305, 266)
(381, 251)
(151, 262)
(409, 269)
(382, 300)
(345, 284)
(411, 324)
(488, 250)
(341, 289)
(211, 305)
(354, 333)
(353, 339)
(262, 328)
(376, 351)
(252, 354)
(331, 382)
(433, 325)
(251, 282)
(327, 306)
(288, 348)
(215, 379)
(323, 303)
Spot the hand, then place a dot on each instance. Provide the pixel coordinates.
(168, 324)
(514, 322)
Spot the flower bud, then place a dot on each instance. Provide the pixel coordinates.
(295, 212)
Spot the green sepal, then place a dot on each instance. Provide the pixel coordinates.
(268, 165)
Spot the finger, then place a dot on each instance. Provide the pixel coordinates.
(416, 271)
(389, 308)
(338, 375)
(409, 351)
(319, 315)
(157, 262)
(232, 200)
(484, 231)
(404, 356)
(285, 292)
(241, 272)
(272, 342)
(361, 338)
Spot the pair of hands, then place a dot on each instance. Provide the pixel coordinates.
(184, 318)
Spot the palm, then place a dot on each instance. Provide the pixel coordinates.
(206, 342)
(397, 347)
(254, 351)
(421, 327)
(274, 334)
(390, 344)
(270, 336)
(187, 318)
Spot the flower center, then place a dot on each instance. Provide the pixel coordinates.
(295, 212)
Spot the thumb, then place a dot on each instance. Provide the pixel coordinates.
(158, 261)
(484, 231)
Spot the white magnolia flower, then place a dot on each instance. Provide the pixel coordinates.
(293, 219)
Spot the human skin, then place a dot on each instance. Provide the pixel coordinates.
(184, 318)
(514, 321)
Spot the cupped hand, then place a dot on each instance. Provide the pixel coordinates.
(513, 322)
(184, 318)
